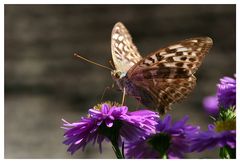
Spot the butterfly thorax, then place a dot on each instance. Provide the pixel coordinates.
(118, 76)
(123, 81)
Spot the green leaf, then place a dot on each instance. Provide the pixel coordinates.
(227, 114)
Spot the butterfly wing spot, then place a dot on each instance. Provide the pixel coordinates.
(169, 59)
(183, 90)
(165, 97)
(190, 65)
(147, 64)
(179, 64)
(118, 56)
(199, 49)
(163, 53)
(192, 59)
(120, 46)
(159, 57)
(115, 36)
(175, 46)
(167, 55)
(127, 49)
(182, 73)
(183, 58)
(163, 72)
(177, 95)
(194, 41)
(179, 53)
(120, 38)
(171, 91)
(171, 72)
(182, 49)
(150, 59)
(168, 50)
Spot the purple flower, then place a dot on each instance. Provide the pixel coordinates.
(106, 122)
(171, 139)
(212, 138)
(226, 92)
(210, 104)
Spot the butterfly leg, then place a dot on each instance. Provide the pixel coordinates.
(124, 94)
(105, 90)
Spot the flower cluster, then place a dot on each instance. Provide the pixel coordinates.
(222, 133)
(143, 134)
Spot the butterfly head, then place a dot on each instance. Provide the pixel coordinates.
(118, 74)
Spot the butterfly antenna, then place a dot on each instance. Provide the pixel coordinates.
(85, 59)
(110, 61)
(123, 97)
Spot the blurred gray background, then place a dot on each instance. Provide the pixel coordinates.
(44, 82)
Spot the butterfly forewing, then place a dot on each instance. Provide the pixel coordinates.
(124, 52)
(186, 55)
(167, 74)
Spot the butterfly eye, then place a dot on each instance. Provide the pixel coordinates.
(117, 75)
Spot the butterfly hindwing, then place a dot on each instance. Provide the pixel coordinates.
(161, 93)
(124, 52)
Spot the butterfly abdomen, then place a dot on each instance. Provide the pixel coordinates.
(128, 85)
(141, 94)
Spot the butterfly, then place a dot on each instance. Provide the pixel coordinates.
(161, 78)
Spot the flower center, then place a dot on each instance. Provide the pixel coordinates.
(110, 103)
(225, 125)
(160, 142)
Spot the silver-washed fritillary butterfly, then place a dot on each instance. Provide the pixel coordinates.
(161, 78)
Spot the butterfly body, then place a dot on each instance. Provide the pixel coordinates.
(161, 78)
(132, 89)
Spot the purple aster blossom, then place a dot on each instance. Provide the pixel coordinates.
(210, 104)
(226, 92)
(106, 120)
(211, 138)
(172, 139)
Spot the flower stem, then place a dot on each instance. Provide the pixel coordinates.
(112, 133)
(227, 153)
(117, 152)
(164, 156)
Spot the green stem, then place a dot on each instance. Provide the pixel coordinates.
(164, 156)
(117, 151)
(112, 133)
(227, 153)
